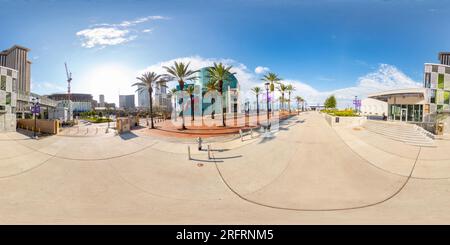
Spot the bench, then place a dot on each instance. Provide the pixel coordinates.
(244, 133)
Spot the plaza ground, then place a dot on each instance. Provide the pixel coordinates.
(306, 173)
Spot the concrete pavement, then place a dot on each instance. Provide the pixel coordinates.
(305, 173)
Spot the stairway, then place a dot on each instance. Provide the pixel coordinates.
(407, 133)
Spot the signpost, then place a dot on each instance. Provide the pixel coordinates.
(36, 110)
(357, 104)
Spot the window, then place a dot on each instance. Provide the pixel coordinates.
(447, 70)
(3, 83)
(8, 98)
(446, 97)
(9, 73)
(2, 108)
(441, 81)
(440, 108)
(433, 96)
(427, 80)
(434, 68)
(14, 85)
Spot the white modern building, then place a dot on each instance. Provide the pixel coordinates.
(422, 105)
(8, 99)
(373, 107)
(61, 112)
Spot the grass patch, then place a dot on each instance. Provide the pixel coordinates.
(97, 120)
(340, 113)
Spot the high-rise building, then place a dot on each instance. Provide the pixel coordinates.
(101, 100)
(126, 102)
(17, 58)
(444, 57)
(143, 98)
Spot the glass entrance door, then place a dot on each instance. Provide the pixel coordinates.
(404, 115)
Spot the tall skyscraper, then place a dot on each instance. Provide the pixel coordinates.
(143, 98)
(126, 101)
(101, 100)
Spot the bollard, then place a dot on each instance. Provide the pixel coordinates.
(251, 133)
(209, 152)
(189, 153)
(96, 130)
(240, 133)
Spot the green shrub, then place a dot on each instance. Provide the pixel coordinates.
(341, 113)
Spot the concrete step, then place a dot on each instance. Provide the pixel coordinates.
(400, 132)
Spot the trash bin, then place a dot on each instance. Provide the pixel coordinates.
(337, 119)
(440, 129)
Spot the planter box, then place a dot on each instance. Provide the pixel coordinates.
(334, 121)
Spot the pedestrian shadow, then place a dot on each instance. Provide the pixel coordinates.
(225, 158)
(266, 139)
(128, 136)
(207, 161)
(216, 150)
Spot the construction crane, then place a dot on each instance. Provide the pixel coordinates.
(69, 80)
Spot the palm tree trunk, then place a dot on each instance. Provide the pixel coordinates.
(223, 111)
(289, 103)
(257, 109)
(192, 108)
(151, 109)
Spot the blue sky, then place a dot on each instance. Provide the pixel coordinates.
(322, 46)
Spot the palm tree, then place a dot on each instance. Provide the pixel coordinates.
(282, 88)
(180, 72)
(218, 74)
(190, 90)
(210, 87)
(299, 100)
(147, 81)
(173, 93)
(271, 78)
(257, 91)
(290, 88)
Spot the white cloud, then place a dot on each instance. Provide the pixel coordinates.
(102, 35)
(261, 69)
(385, 77)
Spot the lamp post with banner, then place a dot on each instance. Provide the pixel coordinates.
(35, 110)
(357, 104)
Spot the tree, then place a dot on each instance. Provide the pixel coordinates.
(290, 88)
(180, 72)
(147, 81)
(299, 100)
(211, 87)
(173, 93)
(218, 74)
(271, 78)
(282, 88)
(257, 91)
(330, 102)
(190, 90)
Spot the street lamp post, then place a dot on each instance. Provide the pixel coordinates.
(267, 97)
(35, 110)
